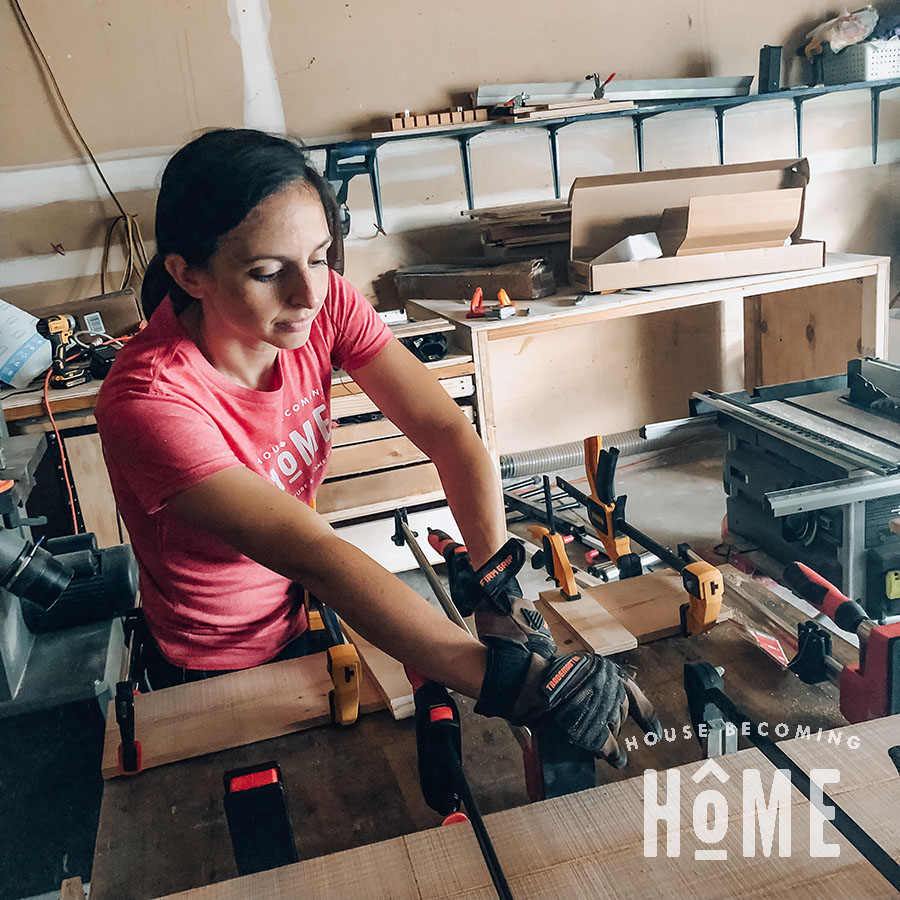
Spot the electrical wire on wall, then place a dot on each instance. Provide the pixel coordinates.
(132, 240)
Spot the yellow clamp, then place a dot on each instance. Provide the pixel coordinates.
(556, 560)
(703, 581)
(345, 670)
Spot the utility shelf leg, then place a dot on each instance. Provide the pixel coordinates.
(465, 153)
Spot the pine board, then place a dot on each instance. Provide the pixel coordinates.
(648, 606)
(229, 711)
(373, 455)
(388, 676)
(598, 630)
(589, 844)
(373, 493)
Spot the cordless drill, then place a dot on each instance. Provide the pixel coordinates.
(58, 330)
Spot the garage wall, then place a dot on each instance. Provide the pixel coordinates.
(141, 78)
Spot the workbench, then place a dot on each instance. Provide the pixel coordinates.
(615, 362)
(164, 831)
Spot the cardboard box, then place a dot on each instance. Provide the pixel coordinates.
(734, 221)
(115, 314)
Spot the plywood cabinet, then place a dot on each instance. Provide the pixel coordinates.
(619, 361)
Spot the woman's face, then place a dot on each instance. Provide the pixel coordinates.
(268, 278)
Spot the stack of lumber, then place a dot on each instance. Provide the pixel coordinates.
(564, 109)
(523, 224)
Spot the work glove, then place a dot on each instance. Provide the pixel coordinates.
(588, 697)
(493, 594)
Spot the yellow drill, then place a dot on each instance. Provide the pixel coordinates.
(58, 330)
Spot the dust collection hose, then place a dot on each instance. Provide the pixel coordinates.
(630, 443)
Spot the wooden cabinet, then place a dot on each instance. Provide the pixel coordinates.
(619, 361)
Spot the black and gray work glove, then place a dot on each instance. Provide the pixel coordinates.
(587, 696)
(494, 595)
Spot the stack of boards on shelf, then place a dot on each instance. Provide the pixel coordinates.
(374, 468)
(523, 224)
(564, 109)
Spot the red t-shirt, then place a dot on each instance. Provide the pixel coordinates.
(168, 420)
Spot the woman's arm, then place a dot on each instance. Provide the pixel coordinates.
(278, 531)
(410, 396)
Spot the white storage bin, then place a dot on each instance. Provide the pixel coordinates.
(869, 61)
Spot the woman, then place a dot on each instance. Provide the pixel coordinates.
(216, 431)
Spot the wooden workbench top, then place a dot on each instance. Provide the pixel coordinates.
(164, 831)
(562, 304)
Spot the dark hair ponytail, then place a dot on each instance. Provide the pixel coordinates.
(209, 186)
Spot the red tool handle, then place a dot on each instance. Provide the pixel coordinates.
(812, 587)
(441, 541)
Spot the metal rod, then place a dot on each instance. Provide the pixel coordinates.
(434, 581)
(484, 840)
(831, 493)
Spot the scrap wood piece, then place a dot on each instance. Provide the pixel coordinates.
(596, 628)
(649, 606)
(567, 640)
(229, 711)
(388, 676)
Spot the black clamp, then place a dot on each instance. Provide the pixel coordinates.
(813, 646)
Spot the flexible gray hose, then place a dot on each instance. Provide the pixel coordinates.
(565, 456)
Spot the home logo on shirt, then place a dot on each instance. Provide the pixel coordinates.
(300, 454)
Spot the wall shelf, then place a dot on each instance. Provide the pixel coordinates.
(346, 159)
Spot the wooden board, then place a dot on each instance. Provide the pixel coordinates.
(356, 433)
(449, 367)
(71, 889)
(589, 844)
(229, 711)
(597, 629)
(379, 491)
(818, 329)
(388, 676)
(95, 497)
(357, 404)
(567, 640)
(373, 455)
(869, 786)
(648, 606)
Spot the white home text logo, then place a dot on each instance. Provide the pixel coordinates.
(758, 814)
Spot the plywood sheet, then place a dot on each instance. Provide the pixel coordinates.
(373, 455)
(229, 711)
(598, 630)
(589, 844)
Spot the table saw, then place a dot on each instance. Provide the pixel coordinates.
(812, 473)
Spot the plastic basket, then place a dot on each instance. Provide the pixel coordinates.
(870, 61)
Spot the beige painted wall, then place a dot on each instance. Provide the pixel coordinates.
(141, 78)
